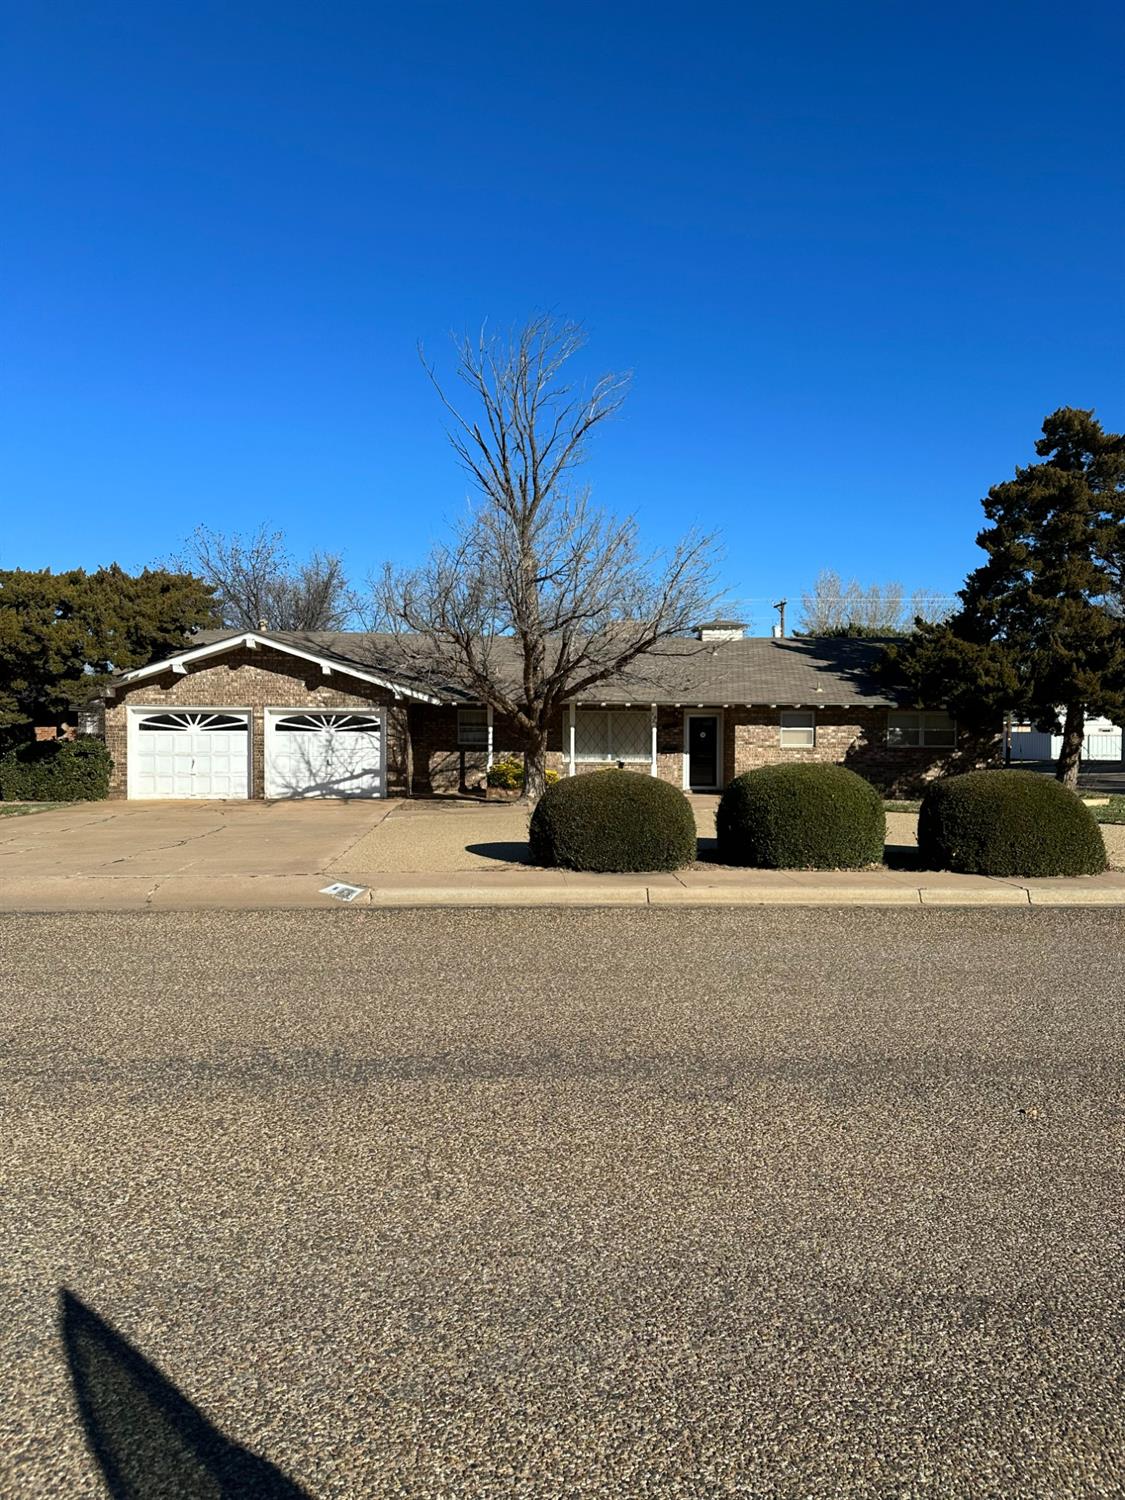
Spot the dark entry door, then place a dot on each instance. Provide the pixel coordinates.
(703, 750)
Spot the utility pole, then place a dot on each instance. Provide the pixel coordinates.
(780, 607)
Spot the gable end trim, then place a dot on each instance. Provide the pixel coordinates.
(251, 640)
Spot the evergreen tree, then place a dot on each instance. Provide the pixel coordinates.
(1038, 630)
(61, 634)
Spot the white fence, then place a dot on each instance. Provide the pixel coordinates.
(1031, 744)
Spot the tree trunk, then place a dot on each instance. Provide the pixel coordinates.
(1074, 728)
(535, 770)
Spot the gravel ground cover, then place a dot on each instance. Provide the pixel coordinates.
(633, 1203)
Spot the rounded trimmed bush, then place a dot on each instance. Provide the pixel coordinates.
(613, 820)
(801, 817)
(1008, 823)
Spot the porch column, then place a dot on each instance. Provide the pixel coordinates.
(570, 750)
(652, 722)
(488, 757)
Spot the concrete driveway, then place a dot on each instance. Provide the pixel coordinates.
(177, 855)
(424, 837)
(139, 844)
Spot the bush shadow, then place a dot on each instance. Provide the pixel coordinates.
(148, 1438)
(511, 853)
(902, 857)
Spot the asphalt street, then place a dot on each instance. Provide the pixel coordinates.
(701, 1203)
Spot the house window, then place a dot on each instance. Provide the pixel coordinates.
(472, 729)
(612, 734)
(929, 731)
(798, 729)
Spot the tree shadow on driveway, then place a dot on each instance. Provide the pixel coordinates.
(149, 1440)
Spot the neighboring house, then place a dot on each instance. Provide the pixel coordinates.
(1101, 741)
(266, 714)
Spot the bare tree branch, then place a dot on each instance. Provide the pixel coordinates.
(833, 607)
(257, 582)
(539, 596)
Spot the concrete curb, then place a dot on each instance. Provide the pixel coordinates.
(510, 889)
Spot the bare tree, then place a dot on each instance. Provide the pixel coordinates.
(833, 607)
(926, 605)
(257, 582)
(822, 607)
(538, 596)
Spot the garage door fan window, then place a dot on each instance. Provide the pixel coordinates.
(195, 721)
(319, 723)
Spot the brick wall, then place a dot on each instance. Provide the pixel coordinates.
(440, 766)
(255, 680)
(852, 737)
(751, 737)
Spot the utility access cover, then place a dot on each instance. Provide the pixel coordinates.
(343, 892)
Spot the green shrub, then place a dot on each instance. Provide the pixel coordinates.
(56, 771)
(801, 817)
(615, 820)
(1008, 823)
(508, 773)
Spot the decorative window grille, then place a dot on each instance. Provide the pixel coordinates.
(929, 731)
(798, 729)
(472, 728)
(329, 723)
(612, 734)
(193, 721)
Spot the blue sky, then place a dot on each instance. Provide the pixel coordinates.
(853, 254)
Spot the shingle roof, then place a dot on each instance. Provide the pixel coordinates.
(752, 670)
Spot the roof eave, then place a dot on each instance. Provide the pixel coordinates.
(253, 640)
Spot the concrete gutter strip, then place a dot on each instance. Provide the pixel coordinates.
(562, 895)
(546, 888)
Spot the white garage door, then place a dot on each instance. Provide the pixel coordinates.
(189, 753)
(324, 754)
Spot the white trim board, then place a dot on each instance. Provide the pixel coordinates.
(251, 640)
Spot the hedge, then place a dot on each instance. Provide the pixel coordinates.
(613, 820)
(801, 817)
(1008, 823)
(56, 771)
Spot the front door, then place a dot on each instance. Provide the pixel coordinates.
(703, 752)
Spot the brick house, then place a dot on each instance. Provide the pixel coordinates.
(267, 714)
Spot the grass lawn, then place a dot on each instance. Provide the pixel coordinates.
(16, 809)
(901, 807)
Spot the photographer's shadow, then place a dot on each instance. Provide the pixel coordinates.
(150, 1441)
